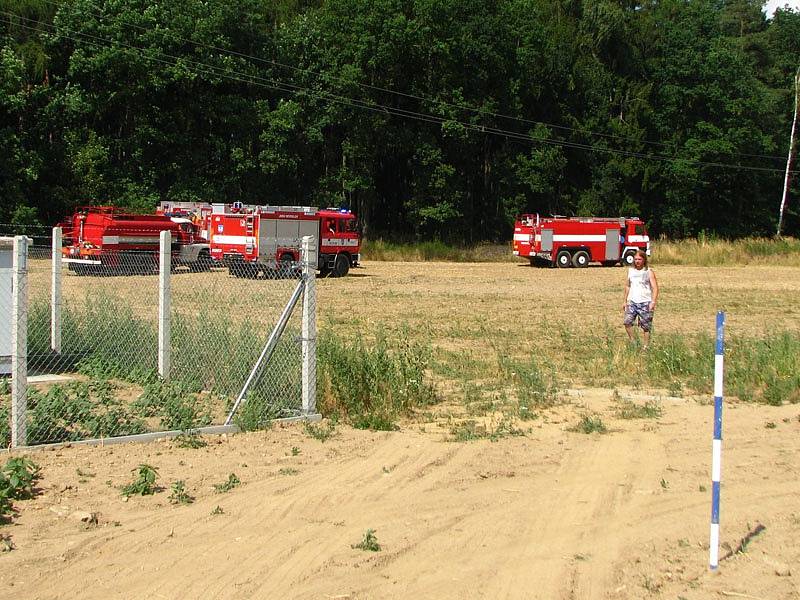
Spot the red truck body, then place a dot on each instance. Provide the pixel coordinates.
(104, 236)
(253, 239)
(578, 241)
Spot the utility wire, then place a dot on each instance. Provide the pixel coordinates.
(483, 112)
(226, 73)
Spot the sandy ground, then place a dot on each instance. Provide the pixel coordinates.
(548, 514)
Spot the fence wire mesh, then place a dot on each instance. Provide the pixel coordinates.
(94, 350)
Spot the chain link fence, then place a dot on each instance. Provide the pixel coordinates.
(132, 343)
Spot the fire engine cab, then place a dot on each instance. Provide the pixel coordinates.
(254, 239)
(577, 241)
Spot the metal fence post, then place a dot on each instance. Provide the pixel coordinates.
(55, 301)
(309, 332)
(165, 266)
(19, 342)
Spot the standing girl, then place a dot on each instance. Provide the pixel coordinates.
(641, 295)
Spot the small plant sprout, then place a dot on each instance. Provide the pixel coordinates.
(179, 494)
(190, 440)
(369, 543)
(320, 432)
(144, 484)
(16, 483)
(664, 483)
(590, 424)
(18, 476)
(227, 486)
(295, 451)
(288, 471)
(631, 410)
(218, 511)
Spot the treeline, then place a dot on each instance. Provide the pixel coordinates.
(430, 118)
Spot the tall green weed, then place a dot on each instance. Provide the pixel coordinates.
(372, 384)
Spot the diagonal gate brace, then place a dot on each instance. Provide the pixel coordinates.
(269, 347)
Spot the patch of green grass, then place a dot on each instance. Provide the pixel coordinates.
(471, 430)
(371, 385)
(375, 422)
(322, 431)
(708, 250)
(190, 440)
(369, 543)
(759, 369)
(176, 402)
(535, 387)
(590, 424)
(288, 471)
(628, 409)
(79, 410)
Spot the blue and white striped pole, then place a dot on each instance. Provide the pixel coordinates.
(716, 444)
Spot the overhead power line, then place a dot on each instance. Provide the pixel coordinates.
(232, 75)
(479, 111)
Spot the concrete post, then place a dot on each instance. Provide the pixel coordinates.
(19, 343)
(165, 267)
(309, 332)
(55, 291)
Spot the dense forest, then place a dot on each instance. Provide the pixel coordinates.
(429, 118)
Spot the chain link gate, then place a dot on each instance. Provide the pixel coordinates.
(135, 347)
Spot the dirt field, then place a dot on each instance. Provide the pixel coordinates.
(549, 514)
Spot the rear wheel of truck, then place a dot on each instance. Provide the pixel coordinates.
(286, 265)
(563, 259)
(244, 270)
(580, 259)
(342, 265)
(203, 262)
(627, 258)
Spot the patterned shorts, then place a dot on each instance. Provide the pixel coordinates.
(640, 310)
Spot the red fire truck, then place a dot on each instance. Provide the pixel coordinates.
(199, 213)
(98, 237)
(254, 239)
(577, 241)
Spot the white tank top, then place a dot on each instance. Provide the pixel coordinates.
(640, 285)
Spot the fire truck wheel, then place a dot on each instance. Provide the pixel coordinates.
(563, 259)
(203, 263)
(580, 259)
(627, 258)
(342, 266)
(243, 270)
(286, 265)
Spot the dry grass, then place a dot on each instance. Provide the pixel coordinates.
(717, 252)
